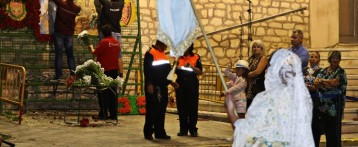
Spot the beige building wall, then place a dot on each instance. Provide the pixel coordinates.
(324, 23)
(221, 14)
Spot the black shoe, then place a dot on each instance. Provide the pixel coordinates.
(163, 137)
(193, 132)
(182, 134)
(148, 137)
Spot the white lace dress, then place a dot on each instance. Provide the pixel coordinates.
(282, 114)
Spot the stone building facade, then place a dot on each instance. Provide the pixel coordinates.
(220, 14)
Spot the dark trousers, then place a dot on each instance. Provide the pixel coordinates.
(155, 112)
(187, 99)
(316, 127)
(316, 118)
(332, 129)
(108, 99)
(331, 126)
(63, 42)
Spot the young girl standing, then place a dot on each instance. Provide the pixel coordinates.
(237, 86)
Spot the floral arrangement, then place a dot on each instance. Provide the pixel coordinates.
(84, 37)
(126, 108)
(31, 20)
(141, 104)
(91, 73)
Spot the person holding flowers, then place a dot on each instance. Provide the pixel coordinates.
(107, 53)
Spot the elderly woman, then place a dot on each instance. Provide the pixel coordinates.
(281, 115)
(332, 83)
(257, 64)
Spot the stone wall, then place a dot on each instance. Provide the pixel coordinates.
(221, 14)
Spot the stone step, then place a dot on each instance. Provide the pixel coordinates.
(350, 113)
(351, 104)
(349, 126)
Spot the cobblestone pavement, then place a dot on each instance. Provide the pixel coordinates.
(46, 129)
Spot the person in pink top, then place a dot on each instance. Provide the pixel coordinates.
(237, 86)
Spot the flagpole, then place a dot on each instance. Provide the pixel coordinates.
(208, 44)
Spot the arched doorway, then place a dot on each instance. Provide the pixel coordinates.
(348, 21)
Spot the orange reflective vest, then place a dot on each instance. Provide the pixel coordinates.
(159, 58)
(183, 60)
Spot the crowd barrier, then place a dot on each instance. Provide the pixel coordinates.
(12, 85)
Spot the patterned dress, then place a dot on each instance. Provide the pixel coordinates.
(331, 105)
(331, 97)
(255, 84)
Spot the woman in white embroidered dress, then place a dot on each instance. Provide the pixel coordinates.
(281, 115)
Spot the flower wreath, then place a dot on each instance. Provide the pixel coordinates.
(141, 104)
(124, 101)
(31, 20)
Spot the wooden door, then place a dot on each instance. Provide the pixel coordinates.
(348, 20)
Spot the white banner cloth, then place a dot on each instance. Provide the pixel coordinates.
(177, 25)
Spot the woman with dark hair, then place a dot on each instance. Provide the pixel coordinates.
(187, 95)
(331, 83)
(310, 74)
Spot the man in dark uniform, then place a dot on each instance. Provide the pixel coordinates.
(187, 95)
(156, 69)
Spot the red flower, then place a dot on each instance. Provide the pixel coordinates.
(70, 80)
(141, 101)
(141, 104)
(84, 122)
(126, 105)
(142, 110)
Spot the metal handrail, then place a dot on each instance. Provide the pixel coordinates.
(255, 21)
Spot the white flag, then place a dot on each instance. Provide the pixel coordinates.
(177, 25)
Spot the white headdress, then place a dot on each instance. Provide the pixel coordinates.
(283, 112)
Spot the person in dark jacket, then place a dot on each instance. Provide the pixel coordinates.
(156, 69)
(66, 14)
(187, 95)
(110, 13)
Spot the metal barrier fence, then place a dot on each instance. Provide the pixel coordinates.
(210, 85)
(12, 85)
